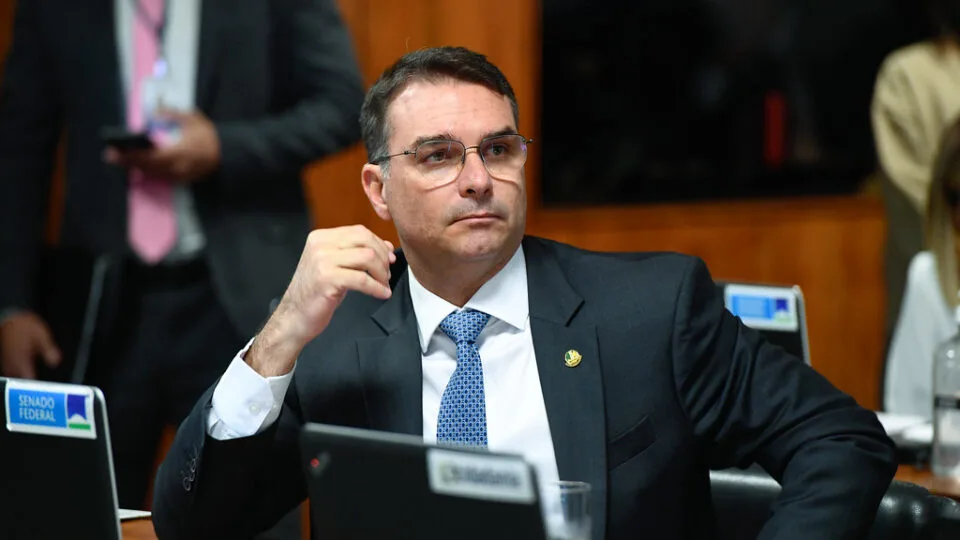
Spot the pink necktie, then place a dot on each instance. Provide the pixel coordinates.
(151, 220)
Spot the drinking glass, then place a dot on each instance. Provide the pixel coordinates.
(566, 507)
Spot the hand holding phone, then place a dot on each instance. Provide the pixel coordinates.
(190, 152)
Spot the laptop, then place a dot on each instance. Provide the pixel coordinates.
(777, 312)
(56, 469)
(371, 485)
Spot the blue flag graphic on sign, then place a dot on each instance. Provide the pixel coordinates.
(77, 412)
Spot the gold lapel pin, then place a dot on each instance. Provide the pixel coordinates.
(572, 358)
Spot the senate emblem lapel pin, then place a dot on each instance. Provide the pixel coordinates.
(572, 358)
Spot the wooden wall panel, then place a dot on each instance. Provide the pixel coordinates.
(831, 246)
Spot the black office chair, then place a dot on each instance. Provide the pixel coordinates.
(742, 499)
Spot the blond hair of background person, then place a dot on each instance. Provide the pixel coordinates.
(926, 317)
(917, 93)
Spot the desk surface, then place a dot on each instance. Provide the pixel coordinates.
(923, 477)
(138, 529)
(142, 529)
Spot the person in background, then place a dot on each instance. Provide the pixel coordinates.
(916, 95)
(205, 225)
(621, 370)
(933, 283)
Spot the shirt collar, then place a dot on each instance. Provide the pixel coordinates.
(504, 297)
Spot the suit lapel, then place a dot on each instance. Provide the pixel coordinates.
(573, 395)
(211, 12)
(391, 366)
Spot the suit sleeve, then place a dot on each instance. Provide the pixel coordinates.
(29, 129)
(317, 81)
(207, 488)
(749, 401)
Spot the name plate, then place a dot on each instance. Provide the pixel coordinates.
(62, 410)
(479, 476)
(763, 308)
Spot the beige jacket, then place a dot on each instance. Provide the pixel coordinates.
(917, 95)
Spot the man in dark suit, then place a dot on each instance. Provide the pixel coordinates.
(622, 370)
(203, 228)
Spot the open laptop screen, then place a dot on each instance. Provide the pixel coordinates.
(55, 463)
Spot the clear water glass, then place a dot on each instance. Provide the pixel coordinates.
(566, 507)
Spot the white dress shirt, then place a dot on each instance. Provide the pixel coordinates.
(924, 323)
(182, 36)
(244, 403)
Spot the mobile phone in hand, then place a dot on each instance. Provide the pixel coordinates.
(124, 140)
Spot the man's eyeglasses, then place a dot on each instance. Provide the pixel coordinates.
(440, 161)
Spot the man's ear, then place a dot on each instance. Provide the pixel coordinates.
(374, 186)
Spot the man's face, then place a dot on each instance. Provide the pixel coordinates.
(452, 217)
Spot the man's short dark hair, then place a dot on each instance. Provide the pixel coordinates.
(430, 65)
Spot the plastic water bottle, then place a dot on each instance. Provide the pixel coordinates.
(945, 460)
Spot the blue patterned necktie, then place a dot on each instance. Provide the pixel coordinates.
(463, 414)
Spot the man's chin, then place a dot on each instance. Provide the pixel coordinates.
(478, 246)
(477, 251)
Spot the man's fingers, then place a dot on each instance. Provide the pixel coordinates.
(127, 157)
(24, 369)
(175, 115)
(155, 161)
(360, 236)
(48, 349)
(356, 280)
(111, 155)
(18, 364)
(345, 238)
(392, 257)
(364, 259)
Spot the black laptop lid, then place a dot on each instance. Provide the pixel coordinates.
(55, 464)
(371, 485)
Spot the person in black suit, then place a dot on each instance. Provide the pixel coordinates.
(623, 370)
(258, 90)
